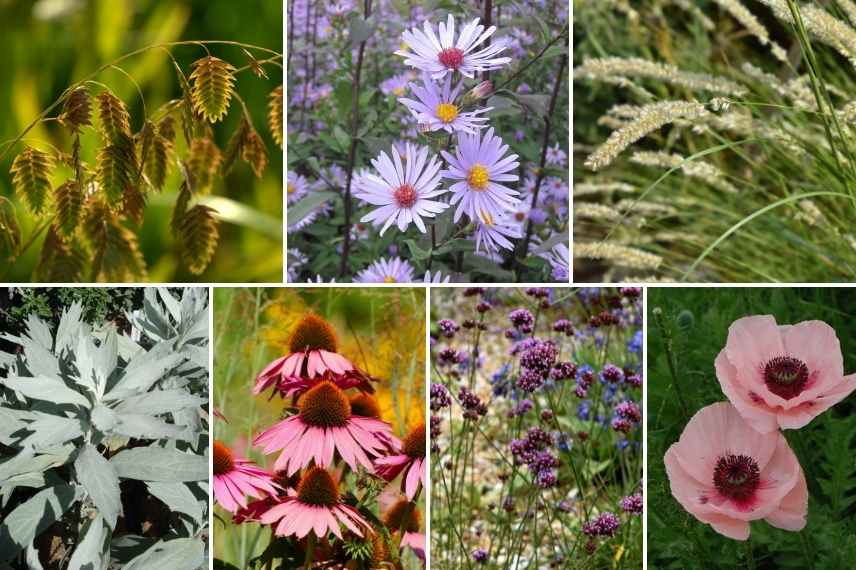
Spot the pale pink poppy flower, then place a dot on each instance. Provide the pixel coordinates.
(782, 376)
(410, 462)
(325, 425)
(316, 507)
(312, 358)
(726, 474)
(236, 478)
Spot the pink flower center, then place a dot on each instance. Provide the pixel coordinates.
(786, 376)
(405, 196)
(736, 477)
(451, 58)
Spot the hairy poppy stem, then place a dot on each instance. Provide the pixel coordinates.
(670, 358)
(352, 152)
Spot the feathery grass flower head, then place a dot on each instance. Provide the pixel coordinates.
(316, 507)
(477, 167)
(782, 376)
(726, 474)
(392, 270)
(236, 477)
(324, 425)
(402, 191)
(444, 54)
(435, 108)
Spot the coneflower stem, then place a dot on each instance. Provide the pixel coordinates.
(310, 551)
(548, 120)
(352, 152)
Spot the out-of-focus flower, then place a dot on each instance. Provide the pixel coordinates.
(437, 278)
(410, 462)
(560, 262)
(782, 376)
(297, 187)
(439, 56)
(402, 191)
(394, 270)
(725, 473)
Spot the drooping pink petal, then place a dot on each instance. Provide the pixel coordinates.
(268, 376)
(792, 511)
(747, 400)
(414, 476)
(293, 364)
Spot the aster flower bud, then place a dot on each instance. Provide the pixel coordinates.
(480, 91)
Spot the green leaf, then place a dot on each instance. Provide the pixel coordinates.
(158, 464)
(178, 553)
(23, 524)
(178, 498)
(92, 552)
(299, 210)
(342, 138)
(417, 252)
(359, 30)
(488, 267)
(45, 388)
(98, 477)
(535, 103)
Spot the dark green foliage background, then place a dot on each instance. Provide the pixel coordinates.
(45, 52)
(697, 321)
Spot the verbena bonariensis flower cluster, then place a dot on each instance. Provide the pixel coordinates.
(536, 428)
(418, 151)
(343, 491)
(732, 464)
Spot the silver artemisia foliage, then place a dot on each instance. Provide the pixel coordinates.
(69, 394)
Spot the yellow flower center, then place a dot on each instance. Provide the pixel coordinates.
(398, 90)
(446, 112)
(389, 279)
(478, 177)
(291, 188)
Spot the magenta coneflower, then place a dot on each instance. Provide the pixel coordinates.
(316, 507)
(325, 425)
(402, 191)
(312, 358)
(436, 108)
(409, 461)
(235, 478)
(439, 56)
(478, 165)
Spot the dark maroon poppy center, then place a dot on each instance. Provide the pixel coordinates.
(786, 376)
(736, 477)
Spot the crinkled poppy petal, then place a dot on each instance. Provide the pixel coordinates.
(754, 411)
(791, 514)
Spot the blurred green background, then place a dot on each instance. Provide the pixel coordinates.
(694, 322)
(49, 44)
(380, 330)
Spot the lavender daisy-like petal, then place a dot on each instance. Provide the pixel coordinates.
(479, 165)
(395, 270)
(436, 109)
(494, 232)
(297, 187)
(402, 190)
(439, 56)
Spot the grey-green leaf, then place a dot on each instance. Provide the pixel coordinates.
(50, 430)
(177, 553)
(158, 464)
(69, 326)
(50, 389)
(91, 552)
(141, 426)
(39, 331)
(98, 477)
(159, 402)
(31, 518)
(144, 370)
(178, 498)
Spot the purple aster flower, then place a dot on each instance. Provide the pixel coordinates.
(560, 262)
(555, 155)
(402, 192)
(494, 232)
(439, 56)
(397, 84)
(394, 270)
(296, 260)
(297, 187)
(478, 164)
(538, 216)
(436, 109)
(524, 88)
(436, 278)
(519, 135)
